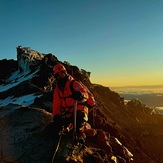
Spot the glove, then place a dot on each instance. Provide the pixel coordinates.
(57, 118)
(66, 130)
(77, 95)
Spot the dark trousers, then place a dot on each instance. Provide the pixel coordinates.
(63, 121)
(55, 127)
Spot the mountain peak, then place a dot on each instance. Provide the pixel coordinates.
(28, 58)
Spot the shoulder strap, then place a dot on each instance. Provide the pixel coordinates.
(71, 86)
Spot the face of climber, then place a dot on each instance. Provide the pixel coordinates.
(60, 75)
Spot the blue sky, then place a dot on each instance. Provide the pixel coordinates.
(119, 42)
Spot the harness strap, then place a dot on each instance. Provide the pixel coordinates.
(69, 108)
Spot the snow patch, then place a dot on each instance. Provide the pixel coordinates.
(118, 141)
(15, 79)
(23, 100)
(129, 153)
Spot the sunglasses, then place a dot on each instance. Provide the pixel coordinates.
(57, 75)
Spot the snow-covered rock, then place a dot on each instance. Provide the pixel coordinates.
(28, 58)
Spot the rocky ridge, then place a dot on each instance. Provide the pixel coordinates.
(130, 129)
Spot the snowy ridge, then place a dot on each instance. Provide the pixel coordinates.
(23, 100)
(15, 79)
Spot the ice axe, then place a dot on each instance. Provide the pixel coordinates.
(75, 116)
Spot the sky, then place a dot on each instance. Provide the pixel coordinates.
(119, 42)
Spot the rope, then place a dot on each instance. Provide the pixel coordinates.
(59, 141)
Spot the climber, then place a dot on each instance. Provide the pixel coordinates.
(63, 102)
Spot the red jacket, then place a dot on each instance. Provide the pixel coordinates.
(63, 102)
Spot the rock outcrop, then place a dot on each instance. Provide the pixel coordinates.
(28, 58)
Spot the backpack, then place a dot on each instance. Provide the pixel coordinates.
(91, 100)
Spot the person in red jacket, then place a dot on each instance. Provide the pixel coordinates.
(63, 101)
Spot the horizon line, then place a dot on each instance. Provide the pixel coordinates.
(134, 86)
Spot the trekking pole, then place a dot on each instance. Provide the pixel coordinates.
(94, 114)
(75, 115)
